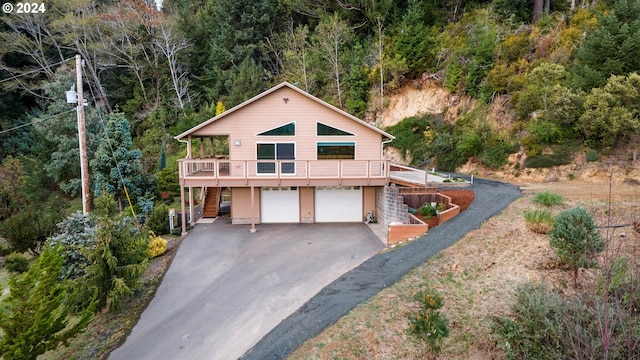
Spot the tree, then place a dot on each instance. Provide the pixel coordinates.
(29, 229)
(247, 82)
(76, 235)
(57, 138)
(296, 56)
(116, 166)
(415, 40)
(612, 112)
(35, 316)
(331, 35)
(538, 87)
(575, 239)
(611, 49)
(12, 183)
(116, 261)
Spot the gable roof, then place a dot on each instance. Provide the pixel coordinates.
(274, 89)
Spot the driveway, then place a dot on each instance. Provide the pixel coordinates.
(227, 288)
(380, 271)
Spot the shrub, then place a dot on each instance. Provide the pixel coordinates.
(575, 239)
(546, 161)
(428, 324)
(157, 246)
(548, 198)
(5, 248)
(16, 263)
(428, 211)
(539, 221)
(496, 155)
(158, 220)
(532, 331)
(592, 155)
(76, 236)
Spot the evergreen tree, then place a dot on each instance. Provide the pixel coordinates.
(575, 239)
(116, 261)
(612, 49)
(35, 316)
(116, 166)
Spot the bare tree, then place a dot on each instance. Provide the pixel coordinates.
(332, 34)
(170, 44)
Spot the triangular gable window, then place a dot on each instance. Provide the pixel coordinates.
(284, 130)
(326, 130)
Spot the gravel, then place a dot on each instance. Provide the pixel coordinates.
(380, 271)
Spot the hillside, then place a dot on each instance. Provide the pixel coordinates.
(429, 97)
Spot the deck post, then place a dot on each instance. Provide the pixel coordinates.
(183, 214)
(191, 212)
(253, 211)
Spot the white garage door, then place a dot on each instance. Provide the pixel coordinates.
(279, 205)
(338, 204)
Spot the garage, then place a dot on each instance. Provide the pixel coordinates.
(279, 205)
(338, 204)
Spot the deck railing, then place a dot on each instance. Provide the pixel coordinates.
(282, 169)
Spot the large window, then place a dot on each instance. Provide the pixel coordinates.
(284, 130)
(276, 151)
(336, 150)
(326, 130)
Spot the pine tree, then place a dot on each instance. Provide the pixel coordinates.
(34, 317)
(575, 239)
(116, 166)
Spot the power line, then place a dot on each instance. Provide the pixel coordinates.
(36, 121)
(32, 71)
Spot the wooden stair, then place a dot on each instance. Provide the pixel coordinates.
(211, 203)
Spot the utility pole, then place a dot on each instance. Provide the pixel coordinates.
(82, 139)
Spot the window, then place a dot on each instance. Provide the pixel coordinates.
(326, 130)
(284, 130)
(277, 151)
(336, 150)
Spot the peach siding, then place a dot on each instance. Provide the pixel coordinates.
(369, 200)
(271, 112)
(307, 207)
(241, 205)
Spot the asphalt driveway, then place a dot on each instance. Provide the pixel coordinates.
(227, 288)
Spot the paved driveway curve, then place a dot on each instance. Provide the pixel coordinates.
(227, 288)
(382, 270)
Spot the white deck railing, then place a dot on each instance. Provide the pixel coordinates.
(282, 169)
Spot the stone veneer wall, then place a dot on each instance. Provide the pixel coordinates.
(390, 206)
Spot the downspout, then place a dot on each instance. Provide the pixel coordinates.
(388, 171)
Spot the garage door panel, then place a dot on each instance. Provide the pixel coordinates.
(280, 205)
(338, 204)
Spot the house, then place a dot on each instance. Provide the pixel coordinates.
(292, 158)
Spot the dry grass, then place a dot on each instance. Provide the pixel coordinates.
(476, 277)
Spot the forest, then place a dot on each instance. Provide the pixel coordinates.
(567, 69)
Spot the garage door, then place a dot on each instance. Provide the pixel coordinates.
(338, 204)
(279, 205)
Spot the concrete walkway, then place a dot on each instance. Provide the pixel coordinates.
(227, 288)
(381, 271)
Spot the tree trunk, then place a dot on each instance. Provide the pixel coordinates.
(538, 6)
(575, 277)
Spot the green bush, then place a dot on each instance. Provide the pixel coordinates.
(428, 324)
(158, 220)
(428, 211)
(16, 263)
(546, 161)
(575, 239)
(548, 198)
(496, 155)
(592, 155)
(5, 248)
(533, 330)
(539, 221)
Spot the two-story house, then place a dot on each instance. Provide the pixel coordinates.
(292, 158)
